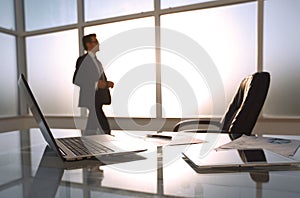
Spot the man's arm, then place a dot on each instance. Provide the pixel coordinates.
(105, 84)
(78, 64)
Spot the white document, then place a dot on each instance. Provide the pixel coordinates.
(172, 138)
(285, 147)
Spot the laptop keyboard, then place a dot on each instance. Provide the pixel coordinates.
(81, 146)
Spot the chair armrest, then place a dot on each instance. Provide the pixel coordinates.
(196, 121)
(203, 131)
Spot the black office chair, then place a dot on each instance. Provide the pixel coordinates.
(242, 113)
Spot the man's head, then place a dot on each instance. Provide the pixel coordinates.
(90, 43)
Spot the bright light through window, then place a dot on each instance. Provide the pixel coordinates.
(51, 62)
(95, 9)
(7, 14)
(8, 80)
(281, 57)
(130, 64)
(184, 88)
(47, 14)
(228, 36)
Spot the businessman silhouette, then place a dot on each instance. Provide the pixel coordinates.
(94, 87)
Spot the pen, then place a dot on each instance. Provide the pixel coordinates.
(159, 136)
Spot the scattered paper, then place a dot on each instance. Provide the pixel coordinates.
(178, 138)
(285, 147)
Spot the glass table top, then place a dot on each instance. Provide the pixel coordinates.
(29, 168)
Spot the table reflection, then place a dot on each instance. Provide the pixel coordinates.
(51, 169)
(159, 172)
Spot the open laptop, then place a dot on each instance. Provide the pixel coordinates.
(237, 160)
(76, 148)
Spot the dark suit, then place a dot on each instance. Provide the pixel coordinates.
(86, 76)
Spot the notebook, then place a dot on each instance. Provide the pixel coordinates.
(237, 160)
(76, 148)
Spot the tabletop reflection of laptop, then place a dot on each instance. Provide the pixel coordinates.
(75, 148)
(48, 176)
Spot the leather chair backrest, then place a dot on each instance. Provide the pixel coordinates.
(242, 113)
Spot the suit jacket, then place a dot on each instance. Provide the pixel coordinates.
(86, 76)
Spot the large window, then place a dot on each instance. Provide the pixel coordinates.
(8, 76)
(128, 57)
(7, 14)
(218, 42)
(47, 14)
(51, 62)
(95, 9)
(281, 56)
(148, 67)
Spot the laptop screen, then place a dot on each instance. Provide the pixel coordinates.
(37, 113)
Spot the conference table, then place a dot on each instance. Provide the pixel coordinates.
(29, 168)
